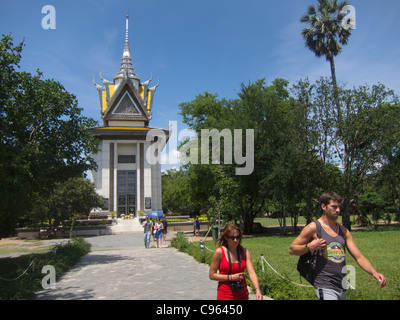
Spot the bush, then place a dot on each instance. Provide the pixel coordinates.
(193, 249)
(61, 257)
(273, 286)
(178, 220)
(98, 217)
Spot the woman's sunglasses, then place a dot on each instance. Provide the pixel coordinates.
(233, 238)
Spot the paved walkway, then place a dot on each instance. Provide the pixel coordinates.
(120, 268)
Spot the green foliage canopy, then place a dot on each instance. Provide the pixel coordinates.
(43, 136)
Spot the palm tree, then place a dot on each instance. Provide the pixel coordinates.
(324, 37)
(326, 33)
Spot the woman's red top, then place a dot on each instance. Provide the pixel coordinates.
(224, 288)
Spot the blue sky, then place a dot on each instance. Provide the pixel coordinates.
(194, 46)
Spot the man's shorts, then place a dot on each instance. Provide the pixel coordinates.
(330, 294)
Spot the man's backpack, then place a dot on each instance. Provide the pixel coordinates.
(306, 263)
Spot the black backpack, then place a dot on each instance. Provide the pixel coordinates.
(306, 263)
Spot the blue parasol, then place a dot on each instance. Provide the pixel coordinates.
(155, 214)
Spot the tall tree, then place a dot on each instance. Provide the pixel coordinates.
(325, 34)
(43, 136)
(370, 129)
(266, 110)
(369, 137)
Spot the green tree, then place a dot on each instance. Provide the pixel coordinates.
(369, 124)
(176, 194)
(388, 179)
(299, 151)
(266, 110)
(75, 196)
(362, 139)
(43, 136)
(314, 128)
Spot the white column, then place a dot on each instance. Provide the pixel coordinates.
(115, 176)
(147, 175)
(138, 193)
(105, 169)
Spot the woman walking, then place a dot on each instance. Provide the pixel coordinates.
(231, 259)
(159, 233)
(165, 225)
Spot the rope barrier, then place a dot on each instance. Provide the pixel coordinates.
(263, 270)
(54, 251)
(208, 248)
(262, 267)
(297, 284)
(9, 280)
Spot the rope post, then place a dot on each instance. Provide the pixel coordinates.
(262, 262)
(201, 245)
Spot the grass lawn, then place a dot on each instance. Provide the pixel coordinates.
(16, 246)
(380, 247)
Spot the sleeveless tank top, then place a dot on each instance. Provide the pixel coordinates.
(224, 291)
(331, 260)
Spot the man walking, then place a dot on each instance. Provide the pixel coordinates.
(330, 261)
(147, 225)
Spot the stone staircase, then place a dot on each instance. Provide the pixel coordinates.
(126, 226)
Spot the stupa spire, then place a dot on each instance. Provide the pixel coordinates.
(127, 51)
(126, 69)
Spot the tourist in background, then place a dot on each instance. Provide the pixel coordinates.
(165, 225)
(147, 225)
(196, 226)
(159, 232)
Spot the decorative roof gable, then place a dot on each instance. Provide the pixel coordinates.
(126, 98)
(126, 104)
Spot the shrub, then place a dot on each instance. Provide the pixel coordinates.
(275, 287)
(193, 249)
(98, 217)
(180, 242)
(62, 258)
